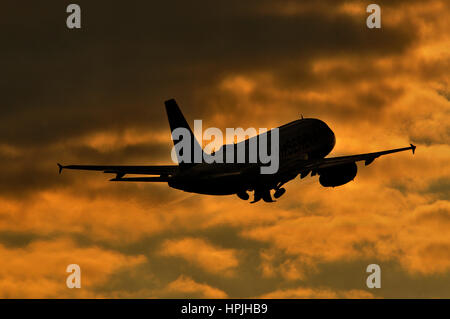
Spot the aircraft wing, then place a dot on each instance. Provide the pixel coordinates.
(367, 158)
(164, 171)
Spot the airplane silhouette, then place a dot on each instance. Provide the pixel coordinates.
(303, 145)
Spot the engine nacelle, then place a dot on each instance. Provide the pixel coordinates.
(337, 175)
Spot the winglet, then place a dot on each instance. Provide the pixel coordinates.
(413, 148)
(60, 168)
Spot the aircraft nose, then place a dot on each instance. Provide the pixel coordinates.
(325, 132)
(329, 134)
(333, 138)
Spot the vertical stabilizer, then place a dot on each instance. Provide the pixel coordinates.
(177, 120)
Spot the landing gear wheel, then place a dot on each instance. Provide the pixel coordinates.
(266, 196)
(243, 195)
(257, 196)
(279, 192)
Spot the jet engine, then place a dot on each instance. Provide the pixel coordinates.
(337, 175)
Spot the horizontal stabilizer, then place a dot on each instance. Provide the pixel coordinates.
(125, 169)
(140, 179)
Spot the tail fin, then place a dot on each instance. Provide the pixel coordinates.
(177, 120)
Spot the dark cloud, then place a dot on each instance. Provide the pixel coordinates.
(116, 71)
(395, 282)
(440, 187)
(19, 239)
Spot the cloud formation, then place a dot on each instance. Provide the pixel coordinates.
(197, 251)
(96, 95)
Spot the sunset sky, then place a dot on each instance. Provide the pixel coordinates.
(96, 96)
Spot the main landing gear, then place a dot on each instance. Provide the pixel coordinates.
(279, 192)
(243, 195)
(262, 193)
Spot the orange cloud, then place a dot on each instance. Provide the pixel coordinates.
(413, 233)
(187, 288)
(309, 293)
(210, 258)
(39, 269)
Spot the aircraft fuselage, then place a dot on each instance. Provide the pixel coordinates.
(300, 140)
